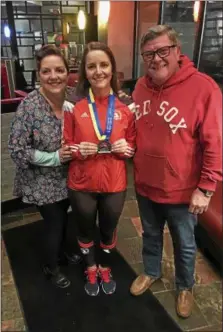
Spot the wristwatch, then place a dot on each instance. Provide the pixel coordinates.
(207, 193)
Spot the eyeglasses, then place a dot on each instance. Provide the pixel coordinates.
(162, 52)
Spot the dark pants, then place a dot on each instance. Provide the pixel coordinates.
(86, 206)
(181, 225)
(55, 218)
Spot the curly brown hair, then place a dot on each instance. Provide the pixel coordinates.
(47, 50)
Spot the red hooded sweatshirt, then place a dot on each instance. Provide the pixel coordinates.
(179, 135)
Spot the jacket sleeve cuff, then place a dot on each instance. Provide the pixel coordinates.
(47, 159)
(207, 185)
(57, 158)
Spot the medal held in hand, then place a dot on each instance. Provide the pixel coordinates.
(104, 146)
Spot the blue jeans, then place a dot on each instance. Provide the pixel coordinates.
(181, 225)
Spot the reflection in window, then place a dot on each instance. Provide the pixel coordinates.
(3, 11)
(29, 64)
(33, 9)
(6, 52)
(36, 25)
(179, 14)
(25, 52)
(35, 21)
(22, 25)
(28, 77)
(212, 47)
(57, 25)
(52, 9)
(48, 25)
(25, 41)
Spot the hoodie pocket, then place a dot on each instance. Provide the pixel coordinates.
(155, 171)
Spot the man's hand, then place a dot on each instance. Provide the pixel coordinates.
(121, 146)
(199, 202)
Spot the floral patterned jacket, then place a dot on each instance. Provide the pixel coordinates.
(35, 127)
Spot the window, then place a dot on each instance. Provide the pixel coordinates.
(35, 25)
(211, 61)
(179, 14)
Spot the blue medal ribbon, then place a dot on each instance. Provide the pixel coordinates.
(95, 119)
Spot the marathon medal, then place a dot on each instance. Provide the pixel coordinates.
(104, 146)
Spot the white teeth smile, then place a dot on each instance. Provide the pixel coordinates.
(160, 67)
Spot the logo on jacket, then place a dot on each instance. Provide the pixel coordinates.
(84, 115)
(117, 115)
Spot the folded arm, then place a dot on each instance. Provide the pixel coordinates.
(20, 141)
(47, 159)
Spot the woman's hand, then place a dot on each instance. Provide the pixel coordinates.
(121, 146)
(65, 154)
(88, 149)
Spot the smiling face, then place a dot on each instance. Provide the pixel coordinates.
(53, 74)
(98, 69)
(161, 69)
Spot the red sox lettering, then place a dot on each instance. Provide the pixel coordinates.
(168, 113)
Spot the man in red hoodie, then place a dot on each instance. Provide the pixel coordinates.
(178, 157)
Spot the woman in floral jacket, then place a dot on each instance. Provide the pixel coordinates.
(41, 159)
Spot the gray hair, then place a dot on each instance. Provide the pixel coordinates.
(160, 30)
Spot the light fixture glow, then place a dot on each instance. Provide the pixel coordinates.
(196, 10)
(103, 12)
(81, 20)
(68, 28)
(7, 31)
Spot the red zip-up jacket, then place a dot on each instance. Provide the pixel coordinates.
(100, 172)
(179, 135)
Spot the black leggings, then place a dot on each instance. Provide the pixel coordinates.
(86, 206)
(55, 220)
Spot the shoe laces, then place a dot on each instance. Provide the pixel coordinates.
(105, 274)
(91, 275)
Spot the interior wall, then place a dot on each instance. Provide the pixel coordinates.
(148, 16)
(120, 35)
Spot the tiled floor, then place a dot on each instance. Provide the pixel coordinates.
(207, 313)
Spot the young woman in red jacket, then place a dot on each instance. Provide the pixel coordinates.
(100, 131)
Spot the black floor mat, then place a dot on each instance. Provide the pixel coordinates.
(48, 309)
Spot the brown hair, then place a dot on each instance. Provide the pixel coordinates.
(83, 84)
(160, 30)
(47, 50)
